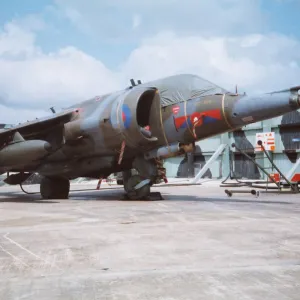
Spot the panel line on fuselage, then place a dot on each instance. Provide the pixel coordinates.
(224, 112)
(187, 117)
(162, 126)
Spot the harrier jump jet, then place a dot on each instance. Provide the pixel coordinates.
(134, 128)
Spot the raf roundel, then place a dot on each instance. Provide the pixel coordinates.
(126, 115)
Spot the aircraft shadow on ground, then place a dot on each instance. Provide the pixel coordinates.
(22, 200)
(222, 200)
(117, 195)
(15, 197)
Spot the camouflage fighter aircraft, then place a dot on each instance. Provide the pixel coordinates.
(134, 128)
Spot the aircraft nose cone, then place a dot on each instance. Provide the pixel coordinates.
(295, 99)
(250, 109)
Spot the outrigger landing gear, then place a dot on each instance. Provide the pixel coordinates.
(55, 188)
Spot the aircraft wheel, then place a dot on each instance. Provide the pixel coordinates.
(139, 194)
(54, 188)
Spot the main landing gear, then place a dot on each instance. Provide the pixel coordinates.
(55, 188)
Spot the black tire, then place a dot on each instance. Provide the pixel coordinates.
(140, 194)
(54, 188)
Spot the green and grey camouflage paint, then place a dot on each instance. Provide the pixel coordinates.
(173, 113)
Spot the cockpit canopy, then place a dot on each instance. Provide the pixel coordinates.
(178, 88)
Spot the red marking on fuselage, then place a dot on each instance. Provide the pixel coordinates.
(176, 109)
(181, 122)
(196, 119)
(78, 112)
(214, 113)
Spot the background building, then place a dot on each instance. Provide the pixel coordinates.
(285, 155)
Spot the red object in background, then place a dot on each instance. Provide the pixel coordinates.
(296, 178)
(275, 176)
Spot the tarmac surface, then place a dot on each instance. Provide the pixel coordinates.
(196, 244)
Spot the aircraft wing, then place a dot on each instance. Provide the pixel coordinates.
(39, 126)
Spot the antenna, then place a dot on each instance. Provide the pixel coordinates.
(52, 109)
(132, 82)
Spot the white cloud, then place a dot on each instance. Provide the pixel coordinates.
(254, 62)
(136, 21)
(111, 19)
(12, 37)
(12, 115)
(32, 80)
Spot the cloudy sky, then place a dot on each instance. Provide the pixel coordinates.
(57, 52)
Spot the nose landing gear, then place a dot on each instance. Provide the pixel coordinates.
(137, 186)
